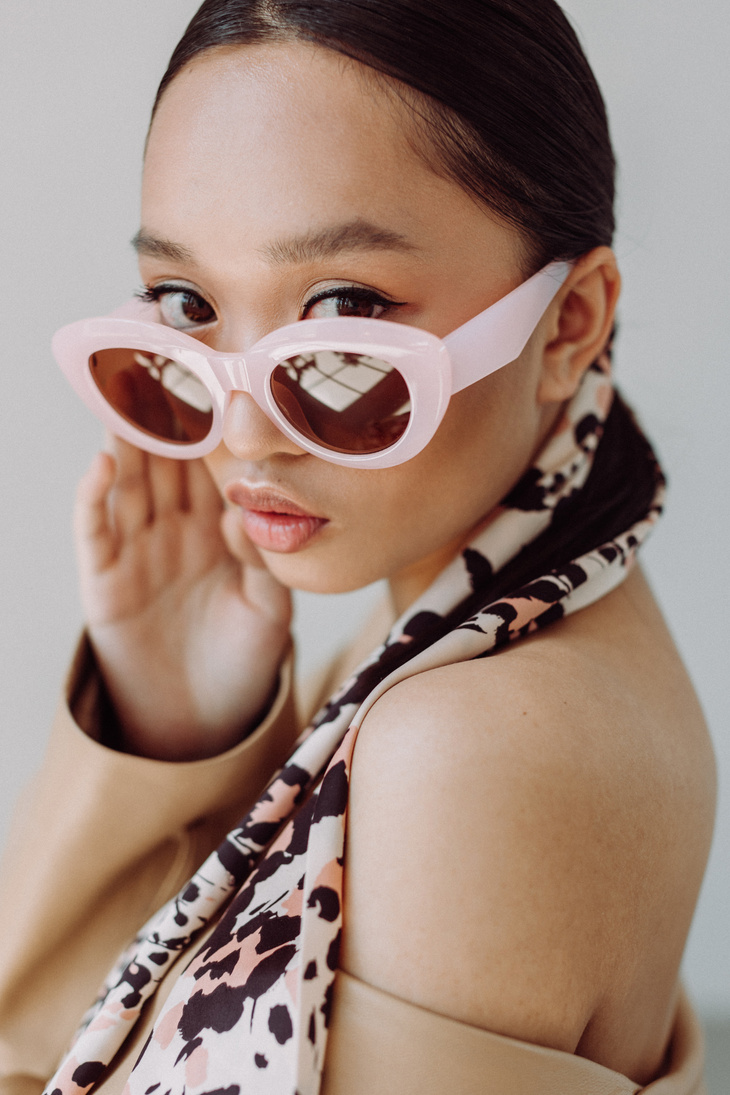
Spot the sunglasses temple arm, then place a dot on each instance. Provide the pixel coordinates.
(499, 335)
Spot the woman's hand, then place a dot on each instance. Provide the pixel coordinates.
(188, 626)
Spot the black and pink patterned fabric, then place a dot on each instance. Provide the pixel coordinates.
(249, 1014)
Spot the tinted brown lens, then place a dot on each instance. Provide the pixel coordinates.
(346, 402)
(154, 393)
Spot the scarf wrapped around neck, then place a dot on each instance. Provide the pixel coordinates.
(249, 1014)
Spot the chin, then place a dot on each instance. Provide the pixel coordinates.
(320, 575)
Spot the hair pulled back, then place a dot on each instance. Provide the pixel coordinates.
(506, 103)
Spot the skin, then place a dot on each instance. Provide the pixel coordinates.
(556, 781)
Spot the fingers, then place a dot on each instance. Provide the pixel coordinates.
(262, 590)
(130, 504)
(96, 542)
(258, 586)
(127, 493)
(126, 489)
(203, 498)
(147, 488)
(167, 493)
(237, 541)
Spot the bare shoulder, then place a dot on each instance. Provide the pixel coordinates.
(520, 826)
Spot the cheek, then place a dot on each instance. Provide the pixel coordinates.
(486, 439)
(385, 522)
(382, 522)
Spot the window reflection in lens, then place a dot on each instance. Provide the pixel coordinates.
(347, 402)
(155, 393)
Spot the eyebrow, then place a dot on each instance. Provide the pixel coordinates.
(321, 243)
(145, 244)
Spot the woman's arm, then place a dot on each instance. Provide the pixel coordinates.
(155, 754)
(187, 625)
(100, 840)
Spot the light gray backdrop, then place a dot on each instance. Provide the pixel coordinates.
(77, 82)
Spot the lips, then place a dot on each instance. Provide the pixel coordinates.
(271, 520)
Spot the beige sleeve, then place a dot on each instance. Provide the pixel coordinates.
(99, 841)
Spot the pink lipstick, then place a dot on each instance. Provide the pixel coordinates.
(272, 521)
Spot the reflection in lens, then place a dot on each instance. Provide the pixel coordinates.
(155, 393)
(347, 402)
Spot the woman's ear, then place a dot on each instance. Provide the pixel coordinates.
(578, 324)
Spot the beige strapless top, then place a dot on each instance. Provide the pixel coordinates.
(381, 1045)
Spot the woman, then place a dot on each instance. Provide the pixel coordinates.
(526, 834)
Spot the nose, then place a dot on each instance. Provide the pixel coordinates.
(250, 435)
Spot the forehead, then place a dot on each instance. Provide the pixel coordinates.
(264, 141)
(285, 131)
(283, 141)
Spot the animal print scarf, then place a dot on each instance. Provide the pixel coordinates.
(249, 1014)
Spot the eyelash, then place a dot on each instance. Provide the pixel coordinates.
(355, 292)
(151, 294)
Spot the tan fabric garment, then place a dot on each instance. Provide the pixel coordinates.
(100, 840)
(380, 1045)
(76, 884)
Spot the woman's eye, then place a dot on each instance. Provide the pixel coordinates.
(182, 308)
(339, 302)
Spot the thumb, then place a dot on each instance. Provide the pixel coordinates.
(258, 586)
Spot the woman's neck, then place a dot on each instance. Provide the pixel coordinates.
(407, 585)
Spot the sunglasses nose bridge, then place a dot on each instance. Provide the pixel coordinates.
(236, 373)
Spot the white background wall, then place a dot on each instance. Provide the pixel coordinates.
(76, 83)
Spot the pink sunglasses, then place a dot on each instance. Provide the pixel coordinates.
(364, 393)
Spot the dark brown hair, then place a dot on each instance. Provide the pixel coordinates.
(505, 98)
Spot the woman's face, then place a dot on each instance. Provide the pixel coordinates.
(280, 184)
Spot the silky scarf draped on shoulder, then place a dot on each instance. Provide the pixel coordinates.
(249, 1015)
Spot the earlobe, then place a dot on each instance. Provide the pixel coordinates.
(578, 324)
